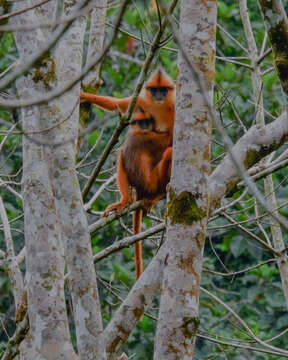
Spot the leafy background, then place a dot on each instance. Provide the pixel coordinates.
(255, 295)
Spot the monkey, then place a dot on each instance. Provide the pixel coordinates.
(143, 164)
(157, 97)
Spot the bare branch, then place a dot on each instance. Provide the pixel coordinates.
(14, 13)
(14, 342)
(62, 89)
(13, 267)
(126, 242)
(245, 326)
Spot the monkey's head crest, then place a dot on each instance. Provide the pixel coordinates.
(160, 86)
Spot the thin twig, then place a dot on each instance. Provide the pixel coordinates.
(14, 270)
(14, 342)
(126, 242)
(240, 272)
(18, 12)
(243, 323)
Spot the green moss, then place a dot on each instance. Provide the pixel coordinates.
(252, 156)
(191, 326)
(68, 5)
(84, 114)
(91, 87)
(183, 209)
(47, 285)
(45, 69)
(5, 7)
(279, 39)
(138, 312)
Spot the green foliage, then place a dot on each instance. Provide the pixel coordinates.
(93, 136)
(254, 295)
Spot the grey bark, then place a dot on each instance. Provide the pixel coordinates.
(96, 39)
(254, 145)
(49, 333)
(276, 23)
(140, 296)
(69, 206)
(188, 194)
(277, 237)
(13, 267)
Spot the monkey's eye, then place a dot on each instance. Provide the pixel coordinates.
(159, 92)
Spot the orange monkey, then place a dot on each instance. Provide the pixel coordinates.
(144, 164)
(157, 97)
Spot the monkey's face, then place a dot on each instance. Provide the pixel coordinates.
(159, 93)
(142, 121)
(144, 124)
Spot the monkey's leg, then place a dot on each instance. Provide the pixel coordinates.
(124, 188)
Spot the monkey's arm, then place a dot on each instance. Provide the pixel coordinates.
(107, 103)
(124, 188)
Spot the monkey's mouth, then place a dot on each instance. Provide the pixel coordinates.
(159, 93)
(144, 124)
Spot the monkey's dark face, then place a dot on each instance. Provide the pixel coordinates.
(144, 124)
(159, 93)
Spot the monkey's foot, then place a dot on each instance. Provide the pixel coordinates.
(147, 205)
(118, 207)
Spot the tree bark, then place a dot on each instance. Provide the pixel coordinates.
(96, 39)
(188, 194)
(253, 146)
(276, 24)
(49, 336)
(277, 237)
(69, 206)
(140, 296)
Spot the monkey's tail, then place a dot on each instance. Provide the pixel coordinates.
(137, 220)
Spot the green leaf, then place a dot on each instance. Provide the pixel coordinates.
(122, 274)
(93, 137)
(223, 10)
(229, 72)
(128, 254)
(146, 324)
(131, 17)
(282, 321)
(237, 246)
(99, 112)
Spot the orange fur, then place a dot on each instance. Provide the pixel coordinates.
(162, 110)
(144, 163)
(137, 221)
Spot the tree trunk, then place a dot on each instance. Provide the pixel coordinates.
(49, 333)
(188, 194)
(60, 155)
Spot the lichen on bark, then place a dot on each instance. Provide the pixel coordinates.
(183, 208)
(45, 70)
